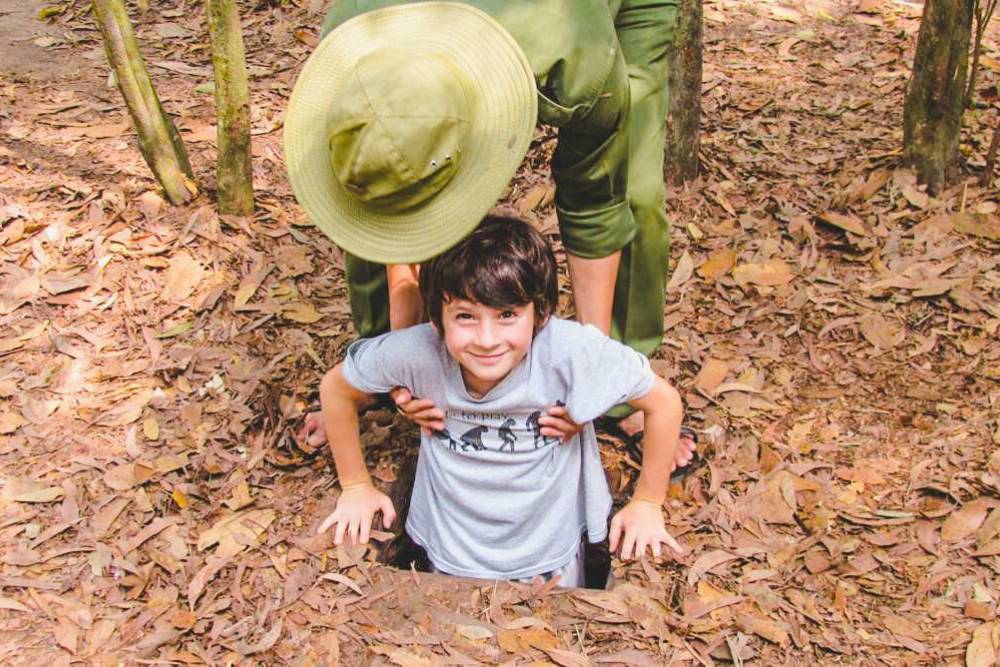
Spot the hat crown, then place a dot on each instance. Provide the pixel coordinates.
(397, 126)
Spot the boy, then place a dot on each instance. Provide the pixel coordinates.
(492, 497)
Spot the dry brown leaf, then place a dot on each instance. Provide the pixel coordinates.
(151, 428)
(249, 284)
(474, 632)
(105, 517)
(169, 463)
(67, 635)
(236, 532)
(711, 375)
(265, 643)
(983, 225)
(10, 422)
(24, 490)
(771, 273)
(97, 131)
(718, 265)
(965, 521)
(777, 502)
(786, 14)
(12, 605)
(682, 273)
(984, 649)
(538, 196)
(402, 657)
(763, 627)
(848, 223)
(182, 278)
(301, 311)
(904, 627)
(567, 658)
(206, 574)
(240, 497)
(990, 528)
(978, 610)
(149, 532)
(707, 561)
(123, 477)
(880, 332)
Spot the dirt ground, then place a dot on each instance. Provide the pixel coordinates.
(832, 327)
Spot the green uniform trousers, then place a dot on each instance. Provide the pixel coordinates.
(645, 31)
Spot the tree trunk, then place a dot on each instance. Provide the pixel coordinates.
(234, 171)
(935, 98)
(983, 13)
(159, 141)
(684, 114)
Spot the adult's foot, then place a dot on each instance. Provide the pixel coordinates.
(631, 428)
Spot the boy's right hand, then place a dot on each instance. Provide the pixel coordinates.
(356, 508)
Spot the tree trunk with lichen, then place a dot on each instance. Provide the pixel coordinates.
(935, 97)
(234, 171)
(159, 141)
(684, 116)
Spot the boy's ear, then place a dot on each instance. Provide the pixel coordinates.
(541, 322)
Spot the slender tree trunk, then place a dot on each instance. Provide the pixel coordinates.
(983, 13)
(159, 141)
(234, 171)
(970, 90)
(935, 98)
(684, 116)
(991, 155)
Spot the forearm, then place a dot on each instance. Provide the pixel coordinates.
(663, 413)
(340, 403)
(405, 305)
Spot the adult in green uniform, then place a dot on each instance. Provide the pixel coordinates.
(387, 152)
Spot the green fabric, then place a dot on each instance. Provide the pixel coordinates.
(590, 58)
(395, 150)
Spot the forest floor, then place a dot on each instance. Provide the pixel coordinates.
(832, 327)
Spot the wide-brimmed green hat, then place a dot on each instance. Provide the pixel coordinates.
(405, 126)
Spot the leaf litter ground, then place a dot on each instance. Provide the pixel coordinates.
(832, 327)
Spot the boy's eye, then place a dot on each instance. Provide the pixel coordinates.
(508, 314)
(463, 316)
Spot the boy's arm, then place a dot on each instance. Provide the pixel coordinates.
(640, 523)
(359, 500)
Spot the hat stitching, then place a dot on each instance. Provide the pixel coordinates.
(396, 154)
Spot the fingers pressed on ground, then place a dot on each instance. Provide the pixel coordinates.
(673, 544)
(628, 547)
(614, 533)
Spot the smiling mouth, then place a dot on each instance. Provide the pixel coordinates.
(488, 357)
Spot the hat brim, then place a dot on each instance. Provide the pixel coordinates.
(503, 117)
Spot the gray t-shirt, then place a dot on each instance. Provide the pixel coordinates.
(493, 498)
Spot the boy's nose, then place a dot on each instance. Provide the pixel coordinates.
(487, 337)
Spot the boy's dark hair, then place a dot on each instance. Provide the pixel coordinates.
(503, 263)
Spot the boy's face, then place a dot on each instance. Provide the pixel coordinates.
(488, 343)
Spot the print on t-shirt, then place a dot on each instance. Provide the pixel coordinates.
(492, 431)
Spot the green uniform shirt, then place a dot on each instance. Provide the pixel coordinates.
(601, 72)
(583, 89)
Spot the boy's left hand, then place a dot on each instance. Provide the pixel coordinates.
(640, 525)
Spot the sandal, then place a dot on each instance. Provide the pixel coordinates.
(634, 451)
